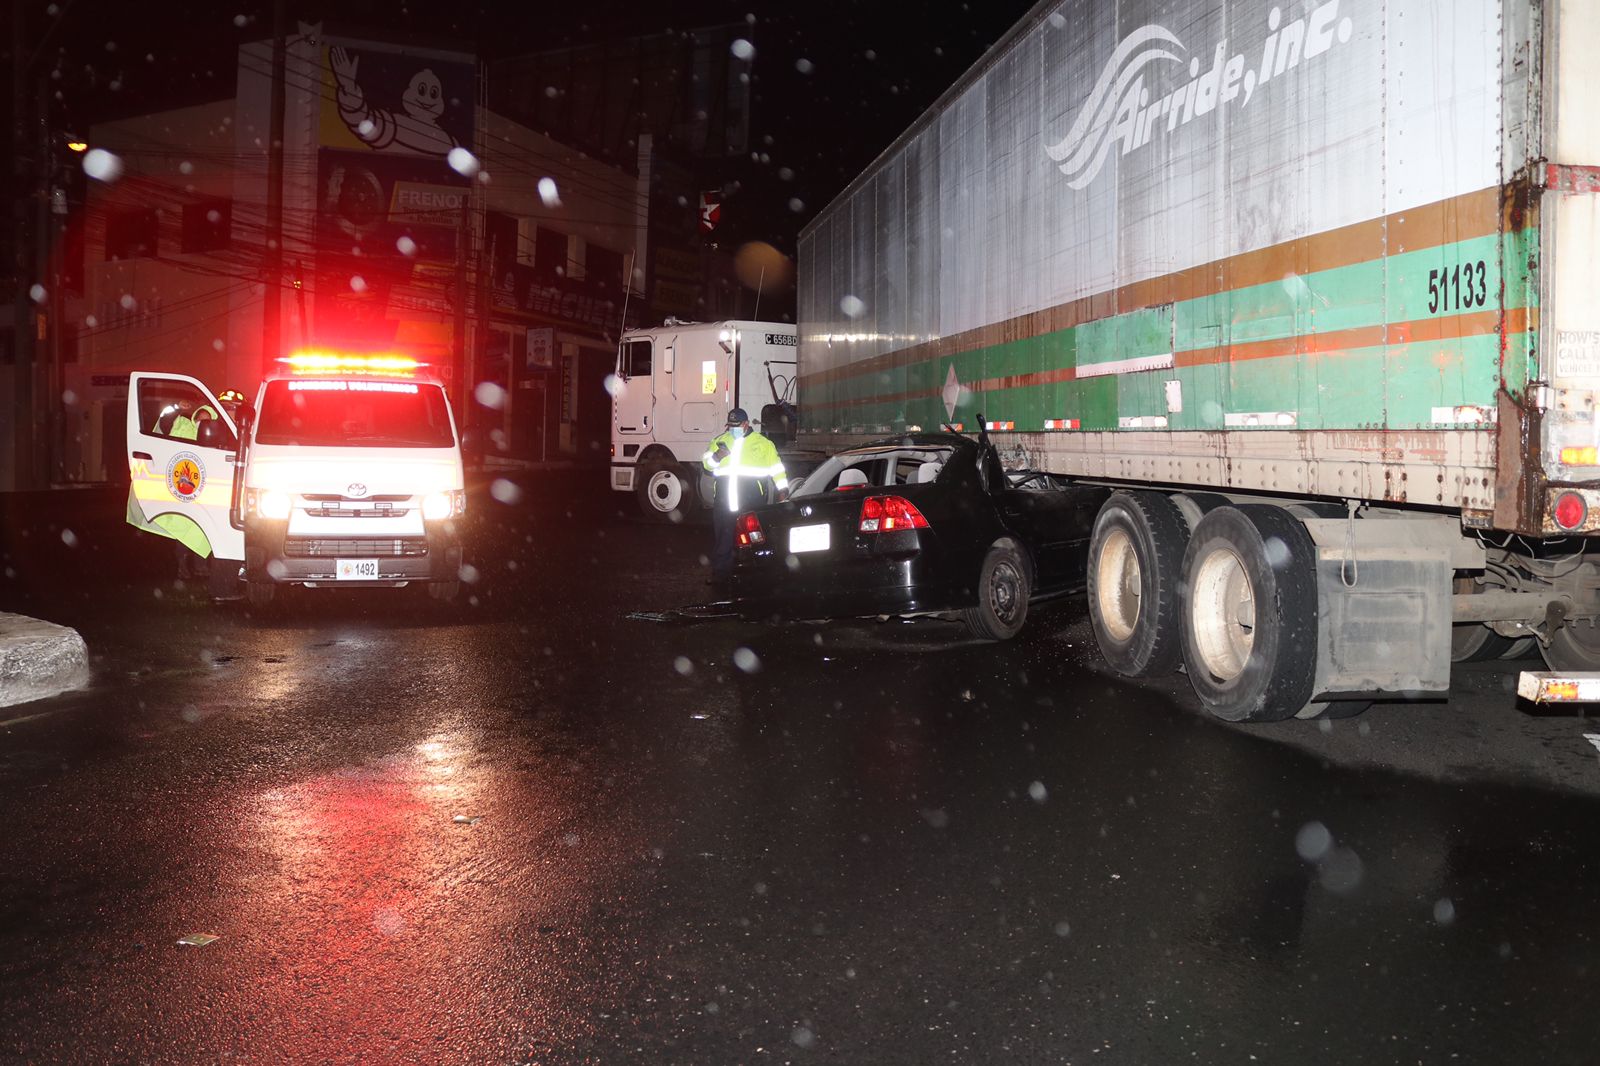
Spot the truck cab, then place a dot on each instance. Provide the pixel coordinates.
(345, 472)
(671, 393)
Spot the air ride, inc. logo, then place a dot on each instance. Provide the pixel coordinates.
(1122, 110)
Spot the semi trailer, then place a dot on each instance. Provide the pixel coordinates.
(1310, 284)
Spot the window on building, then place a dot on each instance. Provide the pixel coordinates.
(605, 269)
(549, 254)
(207, 226)
(132, 234)
(576, 258)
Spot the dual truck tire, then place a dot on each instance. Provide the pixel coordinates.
(1234, 601)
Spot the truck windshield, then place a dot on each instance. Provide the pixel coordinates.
(354, 413)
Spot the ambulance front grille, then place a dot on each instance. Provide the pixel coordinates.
(349, 548)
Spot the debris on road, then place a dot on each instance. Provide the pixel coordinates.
(694, 612)
(463, 819)
(199, 940)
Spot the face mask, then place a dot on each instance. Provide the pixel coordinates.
(737, 431)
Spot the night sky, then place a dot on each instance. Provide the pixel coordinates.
(872, 67)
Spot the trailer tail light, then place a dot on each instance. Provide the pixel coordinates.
(1538, 686)
(748, 528)
(1589, 456)
(1571, 511)
(888, 514)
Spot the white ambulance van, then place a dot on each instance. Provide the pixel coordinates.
(346, 472)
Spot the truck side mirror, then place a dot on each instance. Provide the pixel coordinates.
(667, 359)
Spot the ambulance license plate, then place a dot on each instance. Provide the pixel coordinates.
(357, 570)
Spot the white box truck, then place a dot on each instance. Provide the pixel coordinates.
(671, 393)
(1310, 282)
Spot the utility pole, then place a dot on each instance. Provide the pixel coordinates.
(24, 327)
(272, 308)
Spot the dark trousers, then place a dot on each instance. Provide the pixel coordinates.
(752, 493)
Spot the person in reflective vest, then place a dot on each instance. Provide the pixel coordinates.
(743, 462)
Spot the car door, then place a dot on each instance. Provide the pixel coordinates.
(182, 451)
(1056, 520)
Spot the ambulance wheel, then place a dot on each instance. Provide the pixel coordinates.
(260, 593)
(1003, 590)
(444, 591)
(1250, 614)
(1135, 563)
(666, 493)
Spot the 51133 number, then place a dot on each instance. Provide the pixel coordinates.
(1459, 287)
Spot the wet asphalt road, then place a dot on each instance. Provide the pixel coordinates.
(528, 829)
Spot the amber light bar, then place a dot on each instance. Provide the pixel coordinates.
(324, 362)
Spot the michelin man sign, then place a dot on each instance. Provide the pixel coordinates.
(397, 101)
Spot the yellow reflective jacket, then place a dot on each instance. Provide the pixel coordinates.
(750, 456)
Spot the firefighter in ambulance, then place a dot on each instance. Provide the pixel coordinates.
(744, 463)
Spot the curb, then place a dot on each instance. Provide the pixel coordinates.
(39, 659)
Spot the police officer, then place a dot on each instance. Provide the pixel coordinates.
(742, 461)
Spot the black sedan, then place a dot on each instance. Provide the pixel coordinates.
(923, 524)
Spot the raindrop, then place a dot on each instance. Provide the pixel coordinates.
(613, 385)
(548, 193)
(684, 665)
(746, 660)
(743, 49)
(1063, 929)
(358, 283)
(1444, 911)
(570, 840)
(185, 167)
(785, 174)
(387, 921)
(213, 216)
(490, 395)
(852, 306)
(277, 570)
(468, 573)
(712, 1008)
(1057, 20)
(804, 66)
(69, 397)
(1341, 871)
(936, 817)
(803, 1037)
(505, 491)
(761, 888)
(1277, 553)
(869, 55)
(128, 302)
(37, 293)
(190, 713)
(366, 127)
(796, 204)
(792, 562)
(53, 10)
(90, 321)
(462, 161)
(1313, 841)
(551, 92)
(102, 165)
(69, 538)
(217, 345)
(1038, 792)
(241, 21)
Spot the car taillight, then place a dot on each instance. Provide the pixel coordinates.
(886, 514)
(1571, 510)
(749, 529)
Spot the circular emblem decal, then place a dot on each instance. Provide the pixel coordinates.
(185, 476)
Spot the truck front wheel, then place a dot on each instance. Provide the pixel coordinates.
(1135, 562)
(666, 493)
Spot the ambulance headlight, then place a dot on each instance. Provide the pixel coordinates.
(273, 503)
(438, 506)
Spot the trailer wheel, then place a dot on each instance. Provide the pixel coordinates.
(1250, 614)
(1474, 642)
(1574, 647)
(665, 492)
(1003, 591)
(1135, 564)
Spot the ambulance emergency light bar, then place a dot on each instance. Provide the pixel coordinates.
(317, 362)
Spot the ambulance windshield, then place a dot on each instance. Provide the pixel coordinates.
(356, 413)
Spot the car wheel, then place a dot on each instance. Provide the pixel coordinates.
(665, 493)
(1135, 561)
(1250, 614)
(260, 593)
(1003, 590)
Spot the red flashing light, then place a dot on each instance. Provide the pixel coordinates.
(890, 514)
(1571, 511)
(748, 528)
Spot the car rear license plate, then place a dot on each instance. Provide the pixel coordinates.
(808, 539)
(357, 570)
